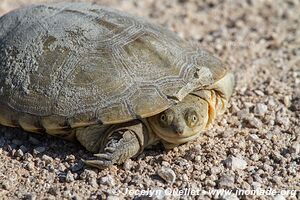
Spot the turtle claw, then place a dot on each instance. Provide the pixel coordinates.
(101, 164)
(105, 159)
(110, 149)
(102, 160)
(104, 156)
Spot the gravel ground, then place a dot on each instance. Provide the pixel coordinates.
(255, 145)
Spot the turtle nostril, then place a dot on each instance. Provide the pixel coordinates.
(179, 131)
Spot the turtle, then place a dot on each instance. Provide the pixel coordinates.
(115, 82)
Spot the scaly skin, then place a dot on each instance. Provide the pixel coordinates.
(121, 145)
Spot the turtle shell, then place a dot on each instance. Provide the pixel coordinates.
(88, 64)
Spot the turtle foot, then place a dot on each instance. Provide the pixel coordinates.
(116, 150)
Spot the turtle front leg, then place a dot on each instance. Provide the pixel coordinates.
(113, 144)
(121, 146)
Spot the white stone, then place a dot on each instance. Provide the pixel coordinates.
(235, 163)
(256, 185)
(230, 197)
(260, 109)
(167, 174)
(253, 137)
(279, 197)
(107, 180)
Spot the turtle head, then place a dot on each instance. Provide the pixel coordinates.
(182, 122)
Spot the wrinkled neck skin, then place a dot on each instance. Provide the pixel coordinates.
(149, 136)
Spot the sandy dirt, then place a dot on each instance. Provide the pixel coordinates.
(254, 146)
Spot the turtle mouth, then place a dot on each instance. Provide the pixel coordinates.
(171, 136)
(175, 138)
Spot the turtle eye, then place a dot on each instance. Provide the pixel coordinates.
(163, 118)
(192, 118)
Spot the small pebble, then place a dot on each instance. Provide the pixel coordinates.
(61, 167)
(6, 185)
(28, 157)
(29, 196)
(260, 109)
(113, 197)
(243, 114)
(19, 153)
(255, 157)
(86, 174)
(17, 142)
(76, 167)
(29, 166)
(127, 164)
(253, 137)
(159, 194)
(295, 147)
(283, 121)
(259, 93)
(167, 174)
(93, 182)
(67, 194)
(229, 197)
(23, 148)
(70, 158)
(198, 159)
(279, 197)
(272, 102)
(235, 163)
(33, 140)
(107, 180)
(255, 122)
(256, 185)
(287, 101)
(47, 159)
(53, 190)
(39, 150)
(69, 177)
(215, 170)
(226, 181)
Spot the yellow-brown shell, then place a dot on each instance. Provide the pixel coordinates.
(74, 64)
